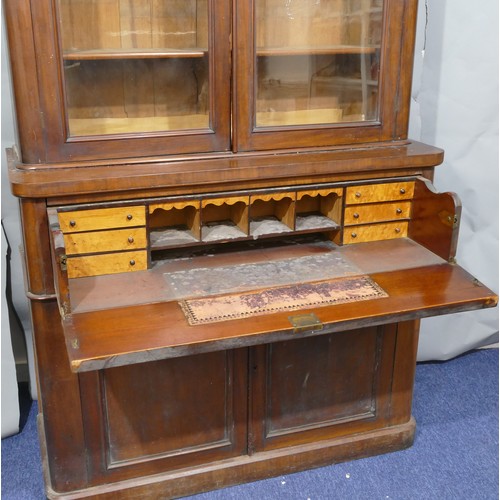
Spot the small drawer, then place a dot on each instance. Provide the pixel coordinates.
(373, 193)
(375, 232)
(108, 263)
(105, 241)
(363, 214)
(101, 218)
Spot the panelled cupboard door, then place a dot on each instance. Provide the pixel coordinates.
(321, 387)
(121, 78)
(166, 414)
(319, 73)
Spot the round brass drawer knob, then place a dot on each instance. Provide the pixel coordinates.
(399, 211)
(130, 217)
(354, 235)
(402, 190)
(72, 223)
(356, 215)
(132, 262)
(357, 194)
(130, 239)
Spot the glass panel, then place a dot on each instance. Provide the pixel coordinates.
(317, 61)
(134, 66)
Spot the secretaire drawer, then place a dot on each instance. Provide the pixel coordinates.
(105, 241)
(373, 193)
(376, 232)
(102, 218)
(363, 214)
(108, 263)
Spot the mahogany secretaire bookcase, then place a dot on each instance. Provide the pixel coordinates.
(228, 238)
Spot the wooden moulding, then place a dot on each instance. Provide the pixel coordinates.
(145, 177)
(246, 468)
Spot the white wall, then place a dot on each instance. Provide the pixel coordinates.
(10, 399)
(455, 107)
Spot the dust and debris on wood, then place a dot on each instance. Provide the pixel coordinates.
(267, 225)
(207, 281)
(171, 237)
(220, 231)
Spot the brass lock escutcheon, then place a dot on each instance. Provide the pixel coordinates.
(305, 323)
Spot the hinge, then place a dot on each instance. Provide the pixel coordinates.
(448, 219)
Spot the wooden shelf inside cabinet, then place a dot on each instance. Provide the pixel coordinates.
(117, 126)
(315, 51)
(108, 54)
(343, 80)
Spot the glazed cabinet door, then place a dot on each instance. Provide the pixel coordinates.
(123, 78)
(314, 73)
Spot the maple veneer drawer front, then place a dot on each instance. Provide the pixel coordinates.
(373, 193)
(102, 218)
(108, 263)
(105, 241)
(363, 214)
(376, 232)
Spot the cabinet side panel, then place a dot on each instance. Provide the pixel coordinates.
(405, 69)
(25, 84)
(34, 219)
(59, 401)
(58, 386)
(435, 220)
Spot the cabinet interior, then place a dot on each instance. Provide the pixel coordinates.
(135, 66)
(145, 66)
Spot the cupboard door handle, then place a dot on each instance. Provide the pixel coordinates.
(397, 230)
(356, 215)
(130, 216)
(357, 194)
(130, 239)
(402, 190)
(354, 235)
(132, 262)
(72, 223)
(399, 211)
